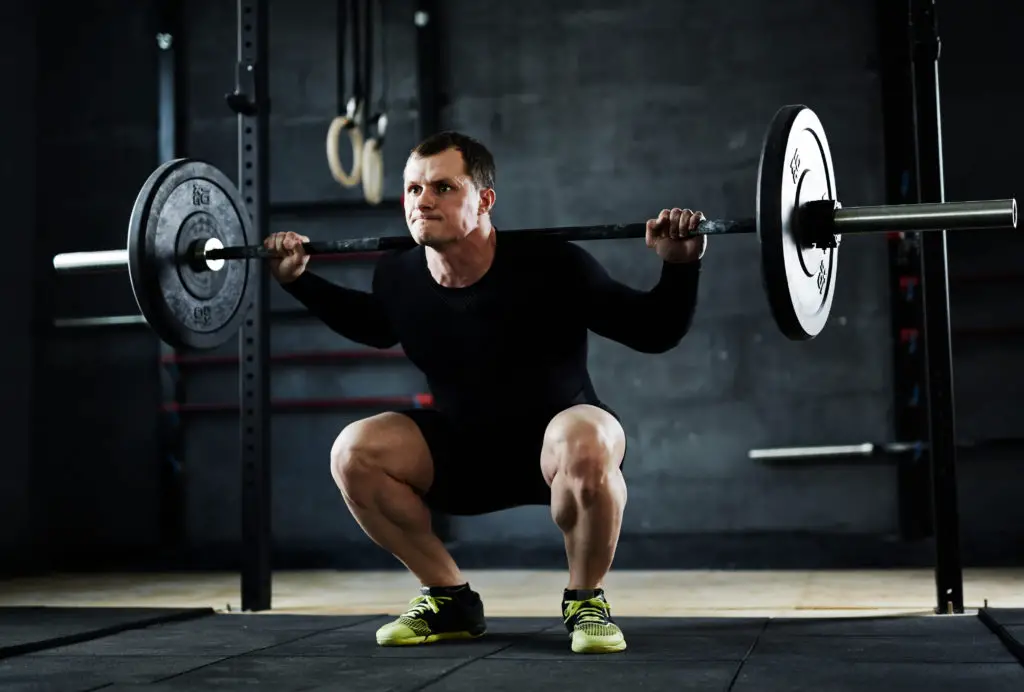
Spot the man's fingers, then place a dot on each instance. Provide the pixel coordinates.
(659, 227)
(292, 243)
(680, 220)
(675, 223)
(650, 236)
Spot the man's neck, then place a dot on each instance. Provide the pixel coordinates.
(464, 262)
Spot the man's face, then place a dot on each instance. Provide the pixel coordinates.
(442, 205)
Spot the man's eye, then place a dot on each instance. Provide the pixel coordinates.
(444, 187)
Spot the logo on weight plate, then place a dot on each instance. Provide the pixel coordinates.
(794, 166)
(200, 196)
(201, 314)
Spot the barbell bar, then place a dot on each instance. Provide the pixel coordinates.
(853, 221)
(189, 225)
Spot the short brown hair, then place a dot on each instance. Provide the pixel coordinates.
(476, 157)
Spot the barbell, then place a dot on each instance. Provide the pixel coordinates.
(189, 224)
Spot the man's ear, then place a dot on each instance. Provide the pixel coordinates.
(487, 197)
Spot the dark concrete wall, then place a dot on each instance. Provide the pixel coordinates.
(983, 150)
(609, 113)
(97, 462)
(17, 360)
(595, 113)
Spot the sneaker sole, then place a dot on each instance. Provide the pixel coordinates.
(587, 648)
(430, 638)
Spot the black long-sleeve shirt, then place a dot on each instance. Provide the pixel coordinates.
(514, 344)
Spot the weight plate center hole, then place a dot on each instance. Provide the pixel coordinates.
(214, 265)
(202, 278)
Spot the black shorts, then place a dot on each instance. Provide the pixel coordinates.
(477, 470)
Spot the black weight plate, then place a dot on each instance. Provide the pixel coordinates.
(182, 201)
(795, 168)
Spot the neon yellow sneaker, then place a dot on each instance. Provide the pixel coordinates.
(437, 614)
(588, 618)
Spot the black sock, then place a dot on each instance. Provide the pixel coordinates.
(581, 594)
(449, 591)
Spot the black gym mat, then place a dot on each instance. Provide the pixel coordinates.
(34, 628)
(1008, 625)
(282, 652)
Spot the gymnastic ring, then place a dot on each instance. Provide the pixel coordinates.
(344, 122)
(373, 171)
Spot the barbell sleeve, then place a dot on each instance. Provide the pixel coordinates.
(862, 449)
(997, 213)
(865, 449)
(88, 262)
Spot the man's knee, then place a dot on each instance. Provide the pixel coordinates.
(385, 444)
(586, 445)
(355, 455)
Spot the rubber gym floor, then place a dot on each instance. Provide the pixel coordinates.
(97, 644)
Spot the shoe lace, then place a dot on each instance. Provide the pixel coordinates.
(421, 604)
(593, 610)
